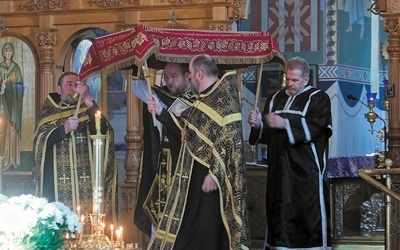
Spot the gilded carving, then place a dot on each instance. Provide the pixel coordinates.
(392, 6)
(42, 4)
(218, 27)
(46, 39)
(391, 24)
(181, 1)
(128, 197)
(239, 9)
(111, 3)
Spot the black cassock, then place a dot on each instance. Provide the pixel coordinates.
(297, 192)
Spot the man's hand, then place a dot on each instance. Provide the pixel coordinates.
(153, 105)
(209, 184)
(275, 121)
(254, 118)
(71, 124)
(84, 91)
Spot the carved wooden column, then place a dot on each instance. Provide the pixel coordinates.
(133, 140)
(391, 25)
(46, 40)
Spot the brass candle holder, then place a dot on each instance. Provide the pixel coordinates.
(97, 240)
(1, 173)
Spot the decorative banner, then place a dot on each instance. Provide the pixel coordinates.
(132, 47)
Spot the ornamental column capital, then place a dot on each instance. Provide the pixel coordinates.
(46, 38)
(391, 23)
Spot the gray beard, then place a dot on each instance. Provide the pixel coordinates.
(70, 100)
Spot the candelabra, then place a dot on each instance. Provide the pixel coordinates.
(98, 240)
(371, 117)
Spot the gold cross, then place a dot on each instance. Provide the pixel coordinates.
(80, 136)
(63, 179)
(84, 177)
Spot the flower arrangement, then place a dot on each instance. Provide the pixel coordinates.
(29, 222)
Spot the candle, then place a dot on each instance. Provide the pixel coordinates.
(78, 211)
(82, 222)
(112, 232)
(97, 122)
(122, 234)
(117, 232)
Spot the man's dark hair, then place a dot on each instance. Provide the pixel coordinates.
(68, 73)
(184, 67)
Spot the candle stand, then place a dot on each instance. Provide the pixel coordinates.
(97, 240)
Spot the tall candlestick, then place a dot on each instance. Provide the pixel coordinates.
(112, 232)
(97, 122)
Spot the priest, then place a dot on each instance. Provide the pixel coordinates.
(63, 169)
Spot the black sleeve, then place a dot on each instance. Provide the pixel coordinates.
(56, 136)
(166, 119)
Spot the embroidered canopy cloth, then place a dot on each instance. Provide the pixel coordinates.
(133, 47)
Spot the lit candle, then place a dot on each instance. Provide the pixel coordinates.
(78, 211)
(83, 222)
(122, 234)
(97, 122)
(112, 232)
(117, 232)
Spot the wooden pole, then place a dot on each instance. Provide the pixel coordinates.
(258, 86)
(147, 77)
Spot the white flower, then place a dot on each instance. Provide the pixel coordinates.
(26, 218)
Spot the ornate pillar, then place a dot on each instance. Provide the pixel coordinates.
(46, 40)
(391, 25)
(133, 140)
